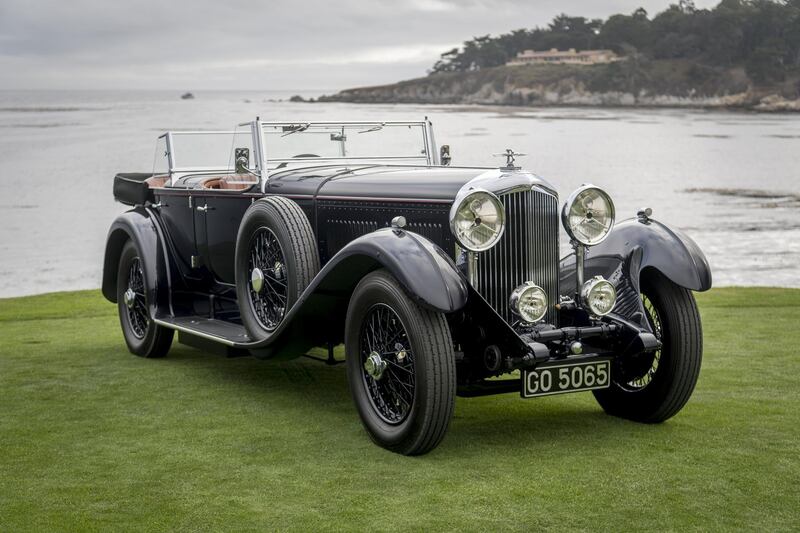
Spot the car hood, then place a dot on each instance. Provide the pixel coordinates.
(387, 182)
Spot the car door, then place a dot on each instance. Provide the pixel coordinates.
(216, 220)
(178, 216)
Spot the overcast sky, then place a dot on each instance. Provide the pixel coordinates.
(247, 44)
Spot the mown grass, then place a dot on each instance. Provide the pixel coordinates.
(93, 438)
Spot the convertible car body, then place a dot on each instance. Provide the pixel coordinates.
(440, 280)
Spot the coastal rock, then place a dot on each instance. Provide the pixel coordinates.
(776, 102)
(669, 84)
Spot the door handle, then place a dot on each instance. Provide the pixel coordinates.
(204, 208)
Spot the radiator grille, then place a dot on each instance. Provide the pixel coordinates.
(527, 251)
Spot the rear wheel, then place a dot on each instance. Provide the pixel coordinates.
(400, 366)
(653, 387)
(144, 337)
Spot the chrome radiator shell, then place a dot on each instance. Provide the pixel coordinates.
(527, 251)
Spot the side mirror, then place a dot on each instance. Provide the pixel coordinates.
(242, 156)
(444, 155)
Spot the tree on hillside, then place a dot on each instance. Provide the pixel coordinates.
(761, 35)
(448, 61)
(631, 30)
(675, 33)
(566, 32)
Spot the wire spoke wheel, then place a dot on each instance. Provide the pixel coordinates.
(400, 366)
(387, 362)
(654, 386)
(138, 316)
(643, 374)
(276, 258)
(143, 336)
(267, 287)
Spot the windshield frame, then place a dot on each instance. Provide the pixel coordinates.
(171, 152)
(261, 162)
(430, 157)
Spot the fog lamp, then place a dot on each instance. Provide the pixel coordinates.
(529, 301)
(599, 295)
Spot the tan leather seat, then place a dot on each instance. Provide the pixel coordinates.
(156, 182)
(236, 182)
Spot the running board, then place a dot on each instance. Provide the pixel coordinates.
(212, 329)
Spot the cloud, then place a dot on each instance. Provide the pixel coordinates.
(270, 44)
(433, 5)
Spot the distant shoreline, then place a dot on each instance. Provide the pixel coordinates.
(643, 107)
(666, 84)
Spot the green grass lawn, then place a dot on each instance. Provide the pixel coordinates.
(93, 438)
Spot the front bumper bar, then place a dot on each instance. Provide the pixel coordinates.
(553, 344)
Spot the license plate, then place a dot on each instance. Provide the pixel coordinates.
(562, 376)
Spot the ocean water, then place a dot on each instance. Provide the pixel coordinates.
(731, 180)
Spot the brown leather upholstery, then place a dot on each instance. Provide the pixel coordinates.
(236, 182)
(156, 182)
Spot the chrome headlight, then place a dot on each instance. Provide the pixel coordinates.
(529, 301)
(599, 296)
(477, 220)
(588, 215)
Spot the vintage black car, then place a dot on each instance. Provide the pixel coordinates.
(440, 280)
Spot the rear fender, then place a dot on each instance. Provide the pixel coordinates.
(140, 226)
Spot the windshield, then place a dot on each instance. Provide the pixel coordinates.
(403, 141)
(243, 151)
(204, 150)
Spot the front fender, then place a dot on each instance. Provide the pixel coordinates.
(422, 268)
(643, 244)
(139, 226)
(633, 246)
(426, 273)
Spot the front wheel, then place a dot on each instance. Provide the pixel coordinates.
(652, 387)
(400, 366)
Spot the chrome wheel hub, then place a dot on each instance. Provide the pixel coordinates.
(129, 298)
(375, 366)
(257, 280)
(268, 290)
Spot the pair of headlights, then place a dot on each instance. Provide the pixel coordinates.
(479, 218)
(478, 221)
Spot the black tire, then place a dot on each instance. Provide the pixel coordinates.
(270, 221)
(422, 346)
(144, 337)
(652, 388)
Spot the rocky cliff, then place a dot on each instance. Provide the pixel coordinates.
(629, 83)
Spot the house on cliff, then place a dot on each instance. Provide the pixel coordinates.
(566, 57)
